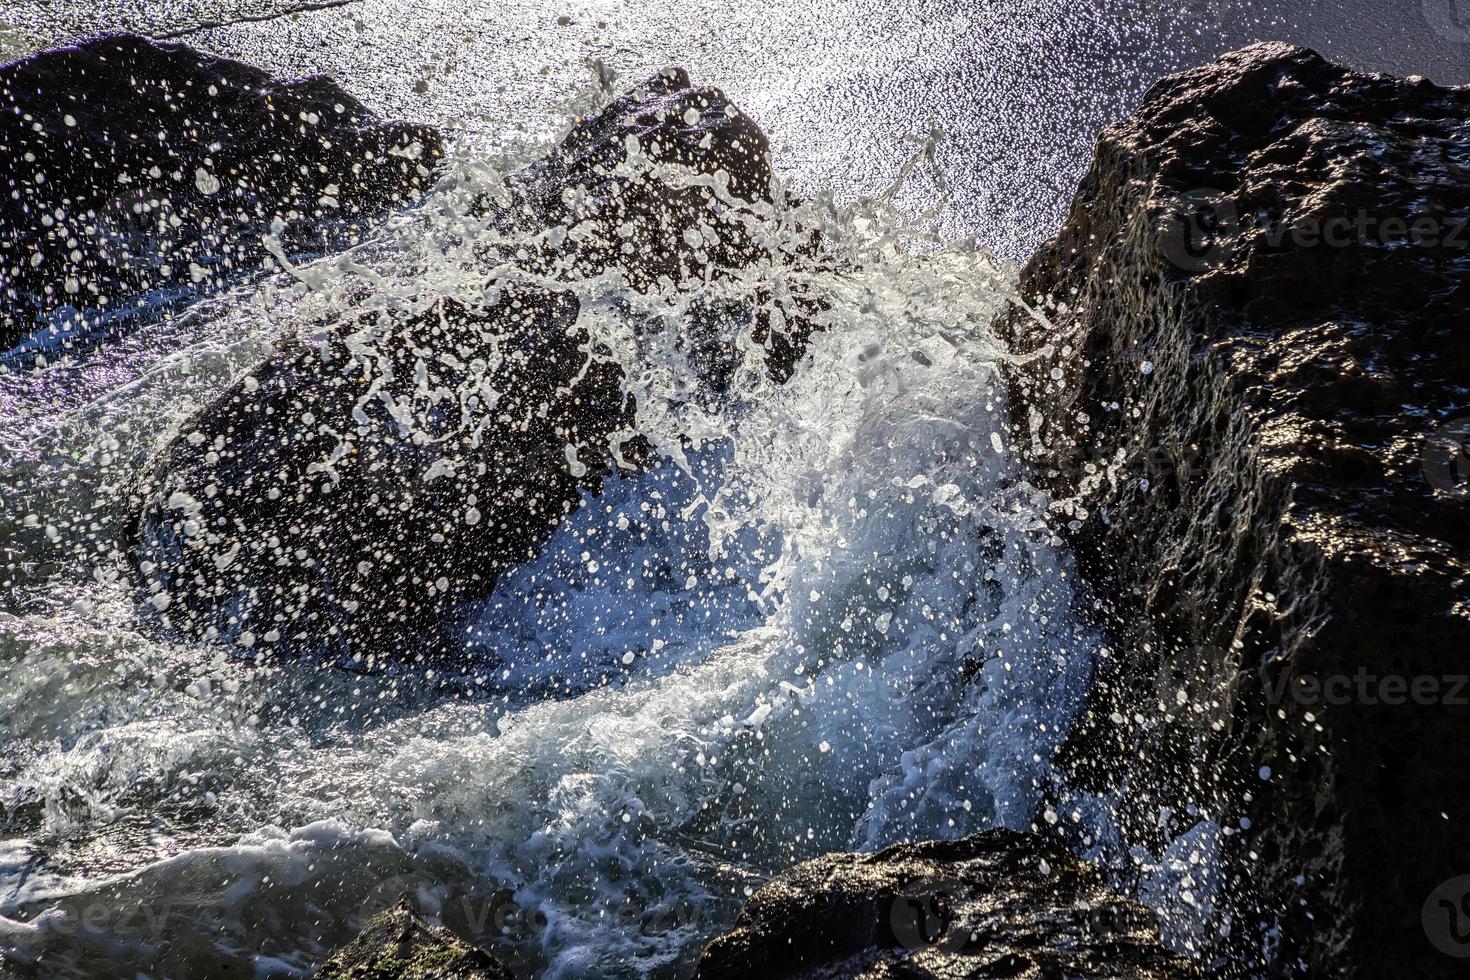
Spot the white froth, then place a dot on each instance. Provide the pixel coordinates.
(831, 618)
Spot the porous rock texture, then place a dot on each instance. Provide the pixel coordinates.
(350, 493)
(1244, 406)
(400, 945)
(996, 904)
(134, 165)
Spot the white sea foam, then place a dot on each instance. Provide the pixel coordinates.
(832, 618)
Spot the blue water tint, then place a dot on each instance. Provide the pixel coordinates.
(626, 586)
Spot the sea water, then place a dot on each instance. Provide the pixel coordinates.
(832, 617)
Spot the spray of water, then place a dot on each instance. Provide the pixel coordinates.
(830, 617)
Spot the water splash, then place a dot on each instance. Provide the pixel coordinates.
(832, 617)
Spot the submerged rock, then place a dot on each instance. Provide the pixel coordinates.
(996, 904)
(399, 945)
(137, 165)
(1252, 398)
(355, 489)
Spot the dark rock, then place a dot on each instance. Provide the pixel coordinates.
(399, 945)
(997, 904)
(674, 124)
(138, 165)
(1258, 305)
(662, 229)
(299, 509)
(350, 498)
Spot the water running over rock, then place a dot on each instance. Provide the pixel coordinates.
(816, 608)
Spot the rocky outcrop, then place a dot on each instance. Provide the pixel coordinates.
(1245, 407)
(399, 945)
(351, 492)
(997, 904)
(136, 165)
(685, 204)
(346, 502)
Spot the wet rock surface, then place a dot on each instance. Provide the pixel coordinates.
(355, 489)
(400, 945)
(1249, 398)
(135, 165)
(671, 186)
(346, 503)
(997, 904)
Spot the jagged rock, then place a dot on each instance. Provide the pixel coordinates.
(620, 214)
(996, 904)
(139, 165)
(355, 489)
(659, 228)
(399, 945)
(1258, 305)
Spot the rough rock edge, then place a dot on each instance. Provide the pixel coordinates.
(1287, 531)
(400, 945)
(995, 904)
